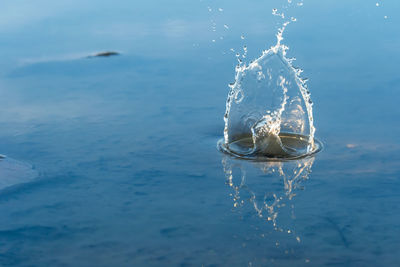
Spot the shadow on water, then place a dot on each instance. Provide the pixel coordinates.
(105, 54)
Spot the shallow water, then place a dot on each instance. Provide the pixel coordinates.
(125, 146)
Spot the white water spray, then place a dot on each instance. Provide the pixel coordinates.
(269, 109)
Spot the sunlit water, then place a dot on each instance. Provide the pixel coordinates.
(118, 153)
(269, 108)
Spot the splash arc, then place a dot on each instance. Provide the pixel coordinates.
(269, 113)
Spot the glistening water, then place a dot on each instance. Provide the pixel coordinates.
(114, 157)
(269, 109)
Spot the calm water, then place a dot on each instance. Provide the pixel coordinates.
(123, 148)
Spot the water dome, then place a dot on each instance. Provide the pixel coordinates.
(269, 110)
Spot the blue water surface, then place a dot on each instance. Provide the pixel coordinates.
(123, 148)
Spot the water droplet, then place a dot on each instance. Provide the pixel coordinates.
(239, 97)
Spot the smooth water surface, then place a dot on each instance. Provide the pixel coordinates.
(122, 149)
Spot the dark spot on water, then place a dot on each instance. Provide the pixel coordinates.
(178, 231)
(196, 175)
(105, 245)
(169, 231)
(339, 230)
(141, 194)
(30, 233)
(161, 258)
(105, 54)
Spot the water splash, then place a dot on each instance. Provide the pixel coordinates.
(269, 109)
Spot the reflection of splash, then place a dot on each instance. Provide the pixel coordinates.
(268, 188)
